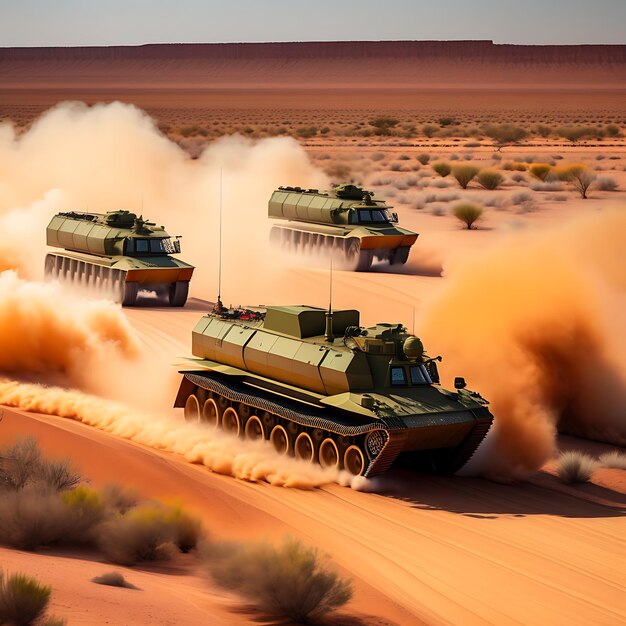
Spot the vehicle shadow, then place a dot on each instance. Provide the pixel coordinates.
(484, 499)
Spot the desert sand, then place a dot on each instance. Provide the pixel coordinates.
(541, 279)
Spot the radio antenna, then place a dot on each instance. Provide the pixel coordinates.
(328, 333)
(219, 304)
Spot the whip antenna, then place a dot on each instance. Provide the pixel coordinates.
(328, 333)
(219, 304)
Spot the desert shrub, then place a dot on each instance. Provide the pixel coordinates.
(31, 518)
(558, 197)
(519, 197)
(578, 176)
(437, 210)
(423, 158)
(446, 121)
(518, 177)
(442, 168)
(148, 532)
(543, 131)
(377, 156)
(113, 579)
(383, 125)
(606, 183)
(614, 459)
(575, 467)
(576, 133)
(429, 130)
(504, 134)
(86, 509)
(464, 174)
(19, 463)
(306, 132)
(467, 212)
(454, 157)
(441, 183)
(404, 157)
(290, 581)
(119, 499)
(489, 179)
(539, 170)
(23, 599)
(612, 130)
(551, 185)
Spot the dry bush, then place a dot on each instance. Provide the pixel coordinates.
(489, 179)
(149, 532)
(21, 464)
(518, 177)
(606, 183)
(377, 156)
(429, 130)
(576, 133)
(291, 581)
(306, 132)
(467, 212)
(575, 467)
(520, 197)
(437, 210)
(384, 125)
(442, 168)
(464, 174)
(539, 170)
(23, 600)
(578, 176)
(119, 499)
(614, 459)
(504, 134)
(113, 579)
(423, 158)
(552, 185)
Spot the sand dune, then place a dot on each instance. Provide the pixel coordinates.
(434, 550)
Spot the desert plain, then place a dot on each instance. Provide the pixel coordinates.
(529, 306)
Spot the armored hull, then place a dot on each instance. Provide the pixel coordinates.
(344, 222)
(346, 397)
(117, 254)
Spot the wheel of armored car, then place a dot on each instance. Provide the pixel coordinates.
(357, 259)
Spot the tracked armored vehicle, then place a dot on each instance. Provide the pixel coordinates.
(320, 387)
(345, 222)
(118, 254)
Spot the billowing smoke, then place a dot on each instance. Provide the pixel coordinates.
(112, 156)
(537, 325)
(248, 460)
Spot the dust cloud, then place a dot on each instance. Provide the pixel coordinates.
(537, 326)
(247, 460)
(112, 156)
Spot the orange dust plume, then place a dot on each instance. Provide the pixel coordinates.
(248, 460)
(537, 326)
(47, 332)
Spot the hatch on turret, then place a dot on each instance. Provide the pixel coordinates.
(305, 321)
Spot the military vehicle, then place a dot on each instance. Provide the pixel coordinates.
(117, 253)
(320, 387)
(345, 222)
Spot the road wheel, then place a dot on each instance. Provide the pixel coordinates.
(329, 453)
(280, 439)
(192, 409)
(179, 292)
(254, 429)
(231, 422)
(303, 448)
(354, 461)
(129, 293)
(210, 412)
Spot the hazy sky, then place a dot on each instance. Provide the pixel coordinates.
(107, 22)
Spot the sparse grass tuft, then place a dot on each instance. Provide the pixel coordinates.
(113, 579)
(23, 600)
(291, 581)
(575, 467)
(442, 168)
(489, 179)
(423, 158)
(467, 212)
(614, 459)
(606, 183)
(464, 174)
